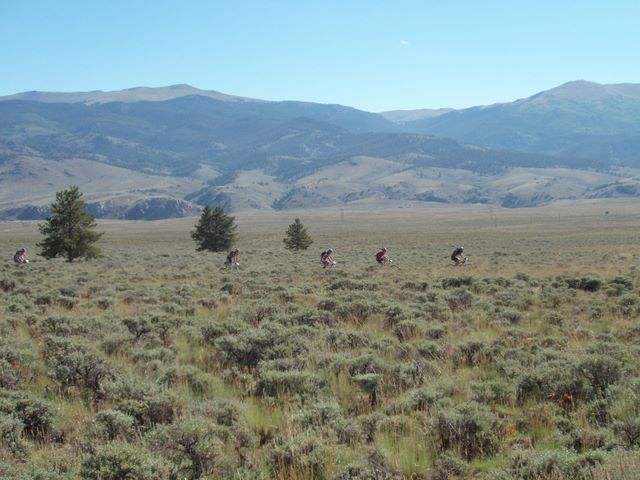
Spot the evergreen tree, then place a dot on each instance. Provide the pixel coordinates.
(69, 231)
(297, 237)
(215, 231)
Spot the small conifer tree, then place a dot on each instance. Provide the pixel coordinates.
(215, 231)
(297, 237)
(69, 232)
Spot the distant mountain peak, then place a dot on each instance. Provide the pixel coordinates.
(128, 95)
(586, 91)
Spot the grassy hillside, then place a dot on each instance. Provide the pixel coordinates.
(154, 363)
(378, 181)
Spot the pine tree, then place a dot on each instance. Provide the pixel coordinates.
(297, 237)
(69, 231)
(215, 231)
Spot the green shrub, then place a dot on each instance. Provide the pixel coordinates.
(590, 284)
(619, 464)
(10, 376)
(7, 285)
(470, 353)
(226, 412)
(114, 425)
(118, 343)
(518, 298)
(629, 304)
(470, 431)
(431, 350)
(367, 363)
(422, 399)
(104, 303)
(375, 467)
(348, 431)
(459, 299)
(448, 467)
(191, 445)
(406, 330)
(623, 405)
(298, 457)
(600, 372)
(36, 415)
(370, 383)
(436, 332)
(274, 383)
(249, 347)
(193, 377)
(394, 315)
(72, 364)
(138, 327)
(319, 415)
(511, 316)
(328, 305)
(554, 464)
(310, 317)
(214, 330)
(67, 302)
(550, 379)
(339, 339)
(162, 355)
(496, 391)
(456, 282)
(146, 402)
(122, 461)
(618, 285)
(11, 435)
(60, 326)
(358, 311)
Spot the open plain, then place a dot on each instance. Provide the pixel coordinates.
(151, 362)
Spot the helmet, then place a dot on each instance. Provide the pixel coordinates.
(24, 249)
(461, 248)
(384, 249)
(330, 250)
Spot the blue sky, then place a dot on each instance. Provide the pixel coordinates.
(373, 55)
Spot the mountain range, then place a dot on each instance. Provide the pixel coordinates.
(148, 153)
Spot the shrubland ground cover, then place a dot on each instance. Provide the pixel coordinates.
(151, 362)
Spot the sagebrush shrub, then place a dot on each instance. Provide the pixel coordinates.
(459, 299)
(73, 364)
(11, 435)
(189, 375)
(113, 424)
(123, 461)
(191, 444)
(553, 464)
(10, 376)
(470, 430)
(298, 457)
(36, 415)
(274, 383)
(269, 341)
